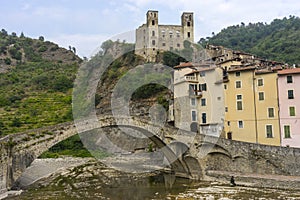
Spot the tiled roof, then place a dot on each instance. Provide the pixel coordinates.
(289, 71)
(201, 70)
(184, 65)
(241, 68)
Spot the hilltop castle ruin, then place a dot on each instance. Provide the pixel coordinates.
(152, 38)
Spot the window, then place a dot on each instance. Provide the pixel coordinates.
(153, 22)
(178, 45)
(239, 105)
(261, 96)
(203, 118)
(188, 34)
(178, 34)
(287, 131)
(292, 111)
(163, 44)
(271, 112)
(289, 79)
(194, 115)
(239, 97)
(228, 123)
(171, 48)
(237, 73)
(203, 87)
(240, 124)
(225, 86)
(203, 102)
(153, 33)
(188, 23)
(171, 34)
(269, 131)
(290, 94)
(193, 101)
(238, 84)
(229, 135)
(192, 89)
(202, 74)
(153, 42)
(226, 109)
(260, 82)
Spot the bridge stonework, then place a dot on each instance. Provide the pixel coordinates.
(205, 155)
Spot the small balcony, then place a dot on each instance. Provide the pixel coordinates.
(195, 93)
(191, 78)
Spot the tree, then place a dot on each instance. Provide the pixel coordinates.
(22, 35)
(171, 59)
(2, 127)
(7, 61)
(4, 32)
(16, 122)
(41, 38)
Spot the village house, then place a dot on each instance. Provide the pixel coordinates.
(251, 105)
(289, 104)
(198, 98)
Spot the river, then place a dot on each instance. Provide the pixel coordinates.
(93, 180)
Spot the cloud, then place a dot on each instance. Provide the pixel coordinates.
(86, 25)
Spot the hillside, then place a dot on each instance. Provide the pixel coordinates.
(36, 80)
(279, 40)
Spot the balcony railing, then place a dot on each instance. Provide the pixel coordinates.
(195, 93)
(191, 78)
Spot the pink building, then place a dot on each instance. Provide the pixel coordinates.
(289, 106)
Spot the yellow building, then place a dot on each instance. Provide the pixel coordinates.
(251, 106)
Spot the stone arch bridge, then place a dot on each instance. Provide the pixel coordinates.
(191, 155)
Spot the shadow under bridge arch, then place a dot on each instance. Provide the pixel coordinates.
(175, 162)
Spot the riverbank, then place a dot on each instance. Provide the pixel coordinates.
(256, 180)
(86, 178)
(42, 169)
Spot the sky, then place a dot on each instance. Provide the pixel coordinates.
(86, 24)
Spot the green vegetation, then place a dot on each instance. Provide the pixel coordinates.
(33, 95)
(69, 147)
(35, 91)
(173, 58)
(279, 40)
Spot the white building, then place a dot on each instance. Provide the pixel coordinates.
(198, 98)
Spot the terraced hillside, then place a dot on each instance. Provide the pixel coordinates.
(36, 80)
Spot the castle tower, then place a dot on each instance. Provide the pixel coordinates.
(152, 24)
(187, 24)
(152, 18)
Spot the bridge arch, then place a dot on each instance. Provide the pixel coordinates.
(29, 145)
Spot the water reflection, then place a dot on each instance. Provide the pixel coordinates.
(106, 183)
(153, 187)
